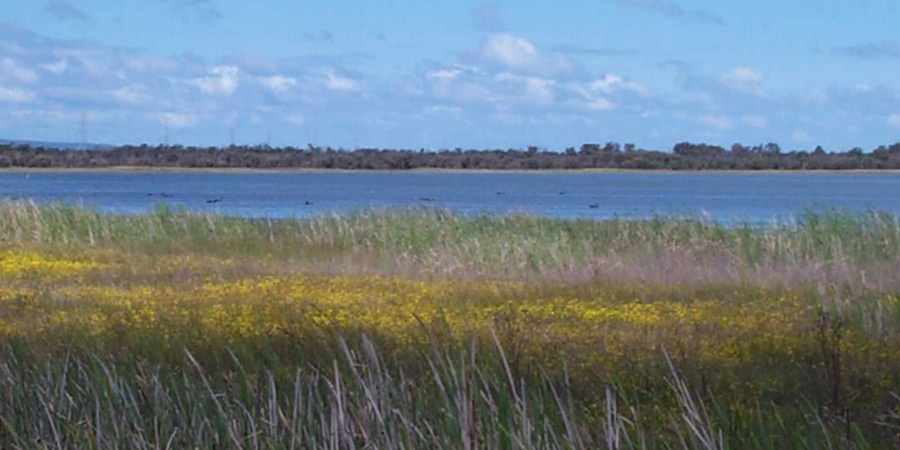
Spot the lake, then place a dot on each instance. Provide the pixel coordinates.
(727, 197)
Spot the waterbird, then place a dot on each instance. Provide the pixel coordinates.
(594, 205)
(215, 200)
(426, 199)
(307, 202)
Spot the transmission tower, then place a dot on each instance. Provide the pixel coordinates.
(84, 131)
(166, 132)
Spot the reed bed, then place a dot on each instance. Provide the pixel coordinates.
(833, 247)
(427, 329)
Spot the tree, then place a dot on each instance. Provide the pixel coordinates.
(589, 149)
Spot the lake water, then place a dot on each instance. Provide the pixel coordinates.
(722, 196)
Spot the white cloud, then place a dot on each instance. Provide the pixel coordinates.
(540, 90)
(460, 84)
(14, 95)
(277, 83)
(462, 91)
(614, 83)
(295, 119)
(340, 83)
(224, 80)
(743, 79)
(597, 95)
(716, 122)
(95, 62)
(518, 54)
(133, 94)
(606, 84)
(537, 90)
(455, 111)
(177, 120)
(446, 75)
(57, 68)
(894, 120)
(743, 75)
(600, 104)
(11, 70)
(755, 121)
(510, 51)
(143, 62)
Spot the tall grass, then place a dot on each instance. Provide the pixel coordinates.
(176, 329)
(861, 250)
(462, 400)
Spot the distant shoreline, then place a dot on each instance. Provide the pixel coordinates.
(238, 170)
(591, 158)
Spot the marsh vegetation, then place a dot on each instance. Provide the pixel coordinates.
(428, 329)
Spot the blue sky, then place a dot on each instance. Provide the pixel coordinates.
(446, 74)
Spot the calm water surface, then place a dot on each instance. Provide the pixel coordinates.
(722, 196)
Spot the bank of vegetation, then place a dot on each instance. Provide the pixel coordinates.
(426, 329)
(684, 156)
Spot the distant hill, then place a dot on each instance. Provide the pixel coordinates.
(59, 145)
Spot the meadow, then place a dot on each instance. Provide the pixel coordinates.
(428, 329)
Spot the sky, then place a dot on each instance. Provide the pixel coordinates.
(448, 74)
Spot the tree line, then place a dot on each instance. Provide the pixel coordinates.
(683, 156)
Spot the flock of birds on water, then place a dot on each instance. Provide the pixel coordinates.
(220, 199)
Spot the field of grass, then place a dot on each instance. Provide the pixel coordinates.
(425, 329)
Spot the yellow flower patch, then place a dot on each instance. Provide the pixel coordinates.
(18, 264)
